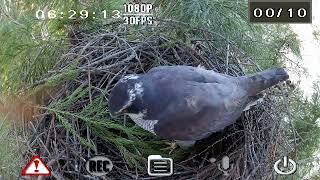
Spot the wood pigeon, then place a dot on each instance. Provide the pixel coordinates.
(185, 103)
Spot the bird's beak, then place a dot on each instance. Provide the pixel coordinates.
(114, 114)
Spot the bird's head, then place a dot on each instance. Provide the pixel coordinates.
(125, 95)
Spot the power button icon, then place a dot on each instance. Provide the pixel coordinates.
(285, 166)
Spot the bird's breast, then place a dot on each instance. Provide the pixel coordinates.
(144, 123)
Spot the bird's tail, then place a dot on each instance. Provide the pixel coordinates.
(260, 81)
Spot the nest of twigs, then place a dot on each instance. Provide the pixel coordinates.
(77, 125)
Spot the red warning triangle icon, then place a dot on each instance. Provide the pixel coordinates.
(36, 167)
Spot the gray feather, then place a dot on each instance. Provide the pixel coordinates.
(186, 103)
(263, 80)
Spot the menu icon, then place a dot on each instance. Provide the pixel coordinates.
(159, 166)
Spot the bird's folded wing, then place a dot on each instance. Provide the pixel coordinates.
(189, 73)
(203, 108)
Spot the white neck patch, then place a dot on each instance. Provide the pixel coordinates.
(133, 93)
(138, 89)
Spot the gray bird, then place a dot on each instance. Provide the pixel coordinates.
(185, 103)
